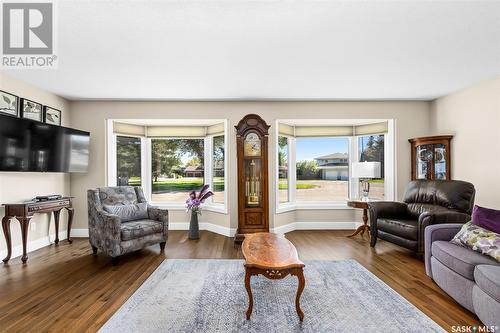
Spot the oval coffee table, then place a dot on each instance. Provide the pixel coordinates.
(275, 257)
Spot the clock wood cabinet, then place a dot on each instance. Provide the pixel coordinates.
(253, 192)
(431, 157)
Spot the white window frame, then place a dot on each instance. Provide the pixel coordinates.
(146, 173)
(389, 175)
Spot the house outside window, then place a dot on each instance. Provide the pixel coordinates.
(321, 156)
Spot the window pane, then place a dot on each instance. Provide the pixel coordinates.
(128, 161)
(322, 169)
(371, 149)
(176, 168)
(218, 169)
(283, 168)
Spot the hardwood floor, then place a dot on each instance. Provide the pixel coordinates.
(65, 288)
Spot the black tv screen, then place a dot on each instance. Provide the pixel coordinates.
(28, 145)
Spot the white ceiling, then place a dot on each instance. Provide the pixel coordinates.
(284, 50)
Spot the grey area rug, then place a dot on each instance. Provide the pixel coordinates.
(209, 296)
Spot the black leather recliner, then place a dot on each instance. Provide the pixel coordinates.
(425, 202)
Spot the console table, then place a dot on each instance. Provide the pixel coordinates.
(24, 211)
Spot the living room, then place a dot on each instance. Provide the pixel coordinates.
(250, 166)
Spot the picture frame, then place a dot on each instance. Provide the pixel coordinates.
(31, 110)
(52, 116)
(9, 104)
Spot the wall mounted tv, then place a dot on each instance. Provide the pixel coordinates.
(31, 146)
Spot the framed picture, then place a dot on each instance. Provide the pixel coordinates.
(31, 110)
(9, 104)
(52, 116)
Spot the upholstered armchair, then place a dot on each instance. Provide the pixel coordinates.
(121, 221)
(425, 202)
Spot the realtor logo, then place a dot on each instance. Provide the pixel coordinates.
(28, 35)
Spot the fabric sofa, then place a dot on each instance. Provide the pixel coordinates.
(471, 278)
(111, 235)
(425, 203)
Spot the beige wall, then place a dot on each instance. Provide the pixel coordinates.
(412, 119)
(23, 186)
(472, 115)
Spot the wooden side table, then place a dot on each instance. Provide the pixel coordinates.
(363, 205)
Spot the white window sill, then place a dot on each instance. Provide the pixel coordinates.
(179, 206)
(283, 208)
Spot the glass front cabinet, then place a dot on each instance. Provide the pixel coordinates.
(430, 157)
(253, 195)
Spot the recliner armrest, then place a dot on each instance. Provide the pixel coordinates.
(430, 218)
(380, 209)
(437, 232)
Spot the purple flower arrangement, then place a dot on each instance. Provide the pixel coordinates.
(193, 203)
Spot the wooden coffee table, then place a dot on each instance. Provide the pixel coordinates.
(274, 257)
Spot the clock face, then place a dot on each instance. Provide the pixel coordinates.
(252, 145)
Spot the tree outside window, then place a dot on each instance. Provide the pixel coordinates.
(128, 161)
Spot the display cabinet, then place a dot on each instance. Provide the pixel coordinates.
(430, 157)
(253, 192)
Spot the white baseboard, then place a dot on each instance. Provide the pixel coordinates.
(229, 232)
(315, 226)
(34, 244)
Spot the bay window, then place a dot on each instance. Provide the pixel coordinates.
(128, 160)
(169, 159)
(314, 161)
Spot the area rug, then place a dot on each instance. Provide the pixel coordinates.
(209, 296)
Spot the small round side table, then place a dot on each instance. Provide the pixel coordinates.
(363, 204)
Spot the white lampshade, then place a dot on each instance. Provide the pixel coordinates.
(365, 169)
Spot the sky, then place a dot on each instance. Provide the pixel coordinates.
(309, 148)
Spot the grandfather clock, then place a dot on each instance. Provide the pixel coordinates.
(253, 192)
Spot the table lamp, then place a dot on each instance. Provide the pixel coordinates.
(365, 171)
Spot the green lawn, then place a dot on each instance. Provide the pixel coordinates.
(179, 184)
(301, 184)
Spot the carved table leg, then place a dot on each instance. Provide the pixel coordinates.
(361, 229)
(57, 213)
(71, 212)
(299, 272)
(25, 222)
(6, 232)
(248, 275)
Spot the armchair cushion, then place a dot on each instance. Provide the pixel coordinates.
(402, 227)
(118, 195)
(459, 259)
(138, 211)
(140, 228)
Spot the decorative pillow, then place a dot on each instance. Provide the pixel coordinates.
(478, 239)
(486, 218)
(126, 213)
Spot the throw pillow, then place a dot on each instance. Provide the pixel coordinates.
(478, 239)
(126, 213)
(486, 218)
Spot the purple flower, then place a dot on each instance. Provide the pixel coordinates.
(193, 203)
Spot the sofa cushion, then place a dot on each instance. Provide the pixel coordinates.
(459, 259)
(135, 229)
(487, 278)
(126, 213)
(479, 239)
(400, 227)
(486, 218)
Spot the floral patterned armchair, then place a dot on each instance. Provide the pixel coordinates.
(121, 221)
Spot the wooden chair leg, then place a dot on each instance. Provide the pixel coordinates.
(162, 246)
(115, 261)
(94, 250)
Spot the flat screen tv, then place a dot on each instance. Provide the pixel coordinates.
(31, 146)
